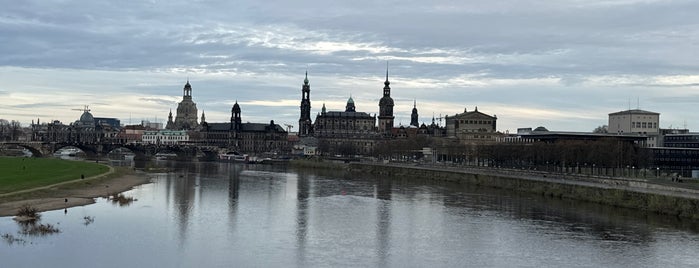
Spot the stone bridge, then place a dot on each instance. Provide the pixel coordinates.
(96, 150)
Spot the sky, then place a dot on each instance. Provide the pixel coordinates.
(562, 64)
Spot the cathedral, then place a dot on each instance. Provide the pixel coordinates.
(348, 128)
(186, 118)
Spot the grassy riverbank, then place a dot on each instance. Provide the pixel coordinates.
(20, 173)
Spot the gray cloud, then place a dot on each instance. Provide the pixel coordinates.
(446, 54)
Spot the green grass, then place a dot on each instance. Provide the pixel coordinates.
(20, 173)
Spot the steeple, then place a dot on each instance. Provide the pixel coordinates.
(322, 111)
(386, 108)
(350, 105)
(236, 120)
(203, 117)
(413, 115)
(386, 88)
(305, 124)
(187, 89)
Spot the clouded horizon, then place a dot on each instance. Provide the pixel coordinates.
(564, 65)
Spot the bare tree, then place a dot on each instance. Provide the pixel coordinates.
(601, 129)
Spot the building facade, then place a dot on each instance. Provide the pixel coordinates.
(245, 137)
(636, 121)
(472, 127)
(186, 117)
(165, 137)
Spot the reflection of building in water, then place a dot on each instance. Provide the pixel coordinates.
(303, 192)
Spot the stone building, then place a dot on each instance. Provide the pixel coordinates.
(472, 127)
(245, 137)
(85, 130)
(165, 137)
(637, 121)
(186, 117)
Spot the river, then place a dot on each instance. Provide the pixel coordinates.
(231, 215)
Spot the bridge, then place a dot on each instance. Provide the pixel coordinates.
(96, 150)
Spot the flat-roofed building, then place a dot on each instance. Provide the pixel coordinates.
(636, 121)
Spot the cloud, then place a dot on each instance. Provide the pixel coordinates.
(533, 61)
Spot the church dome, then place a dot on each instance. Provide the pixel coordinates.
(87, 118)
(386, 101)
(236, 108)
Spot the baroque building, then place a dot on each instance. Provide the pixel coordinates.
(186, 118)
(245, 137)
(472, 127)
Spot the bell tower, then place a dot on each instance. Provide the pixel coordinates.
(386, 108)
(305, 126)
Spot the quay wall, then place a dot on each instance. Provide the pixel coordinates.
(621, 192)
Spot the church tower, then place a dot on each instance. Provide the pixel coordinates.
(236, 121)
(386, 108)
(350, 105)
(305, 126)
(236, 126)
(186, 118)
(170, 124)
(413, 116)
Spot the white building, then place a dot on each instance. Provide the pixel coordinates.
(636, 121)
(165, 136)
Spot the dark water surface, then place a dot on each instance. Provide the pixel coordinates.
(228, 215)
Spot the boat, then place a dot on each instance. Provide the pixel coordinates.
(233, 157)
(165, 156)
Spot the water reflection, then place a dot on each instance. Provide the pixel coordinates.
(223, 214)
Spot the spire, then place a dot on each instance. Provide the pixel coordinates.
(414, 103)
(386, 82)
(323, 110)
(305, 80)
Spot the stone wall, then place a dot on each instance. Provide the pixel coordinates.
(629, 193)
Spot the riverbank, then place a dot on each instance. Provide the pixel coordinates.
(680, 200)
(73, 193)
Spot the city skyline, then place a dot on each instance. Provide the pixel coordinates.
(563, 65)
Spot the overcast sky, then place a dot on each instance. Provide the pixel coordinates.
(562, 64)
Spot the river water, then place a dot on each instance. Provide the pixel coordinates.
(231, 215)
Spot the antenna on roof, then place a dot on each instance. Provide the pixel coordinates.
(629, 103)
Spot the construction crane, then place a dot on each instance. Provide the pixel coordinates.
(288, 128)
(86, 109)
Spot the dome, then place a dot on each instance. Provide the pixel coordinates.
(386, 101)
(541, 128)
(87, 118)
(350, 100)
(236, 107)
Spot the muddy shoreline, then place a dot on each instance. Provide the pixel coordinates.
(73, 194)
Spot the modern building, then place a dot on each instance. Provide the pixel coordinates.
(638, 122)
(186, 118)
